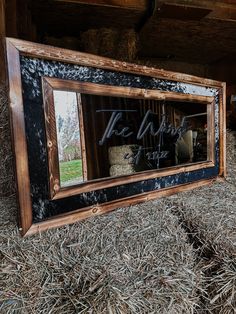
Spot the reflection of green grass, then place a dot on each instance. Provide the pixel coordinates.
(71, 170)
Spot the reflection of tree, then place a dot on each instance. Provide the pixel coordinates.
(59, 123)
(68, 133)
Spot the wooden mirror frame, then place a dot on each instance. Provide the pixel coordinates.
(215, 93)
(52, 84)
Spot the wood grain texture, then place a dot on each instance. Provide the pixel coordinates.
(82, 137)
(222, 117)
(211, 131)
(230, 4)
(52, 142)
(221, 10)
(51, 132)
(115, 181)
(108, 207)
(19, 135)
(120, 91)
(223, 13)
(79, 58)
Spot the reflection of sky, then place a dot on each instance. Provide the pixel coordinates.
(63, 101)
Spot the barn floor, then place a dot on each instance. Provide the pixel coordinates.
(171, 255)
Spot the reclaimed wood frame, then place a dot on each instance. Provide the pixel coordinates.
(15, 48)
(51, 84)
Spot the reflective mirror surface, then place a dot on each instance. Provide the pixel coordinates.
(123, 136)
(68, 138)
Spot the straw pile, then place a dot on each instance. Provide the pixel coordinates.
(7, 185)
(119, 165)
(117, 154)
(210, 218)
(231, 157)
(209, 215)
(112, 43)
(134, 260)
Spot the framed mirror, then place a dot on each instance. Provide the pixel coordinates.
(91, 134)
(105, 135)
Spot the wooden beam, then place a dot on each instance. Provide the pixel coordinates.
(2, 43)
(200, 4)
(223, 10)
(224, 14)
(139, 5)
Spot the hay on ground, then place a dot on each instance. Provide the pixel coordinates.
(7, 180)
(209, 214)
(134, 260)
(231, 157)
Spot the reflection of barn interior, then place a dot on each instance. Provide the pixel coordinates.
(162, 145)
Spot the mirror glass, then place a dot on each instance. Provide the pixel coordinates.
(68, 138)
(123, 136)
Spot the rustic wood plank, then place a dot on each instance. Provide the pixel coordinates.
(120, 91)
(229, 4)
(211, 132)
(222, 118)
(222, 10)
(52, 142)
(145, 175)
(74, 57)
(139, 5)
(51, 132)
(108, 207)
(82, 137)
(224, 14)
(19, 135)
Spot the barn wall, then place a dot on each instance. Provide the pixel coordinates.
(7, 182)
(15, 21)
(121, 45)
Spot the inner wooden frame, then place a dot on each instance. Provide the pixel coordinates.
(16, 48)
(52, 84)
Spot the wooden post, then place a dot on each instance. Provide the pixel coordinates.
(3, 75)
(25, 27)
(11, 18)
(7, 181)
